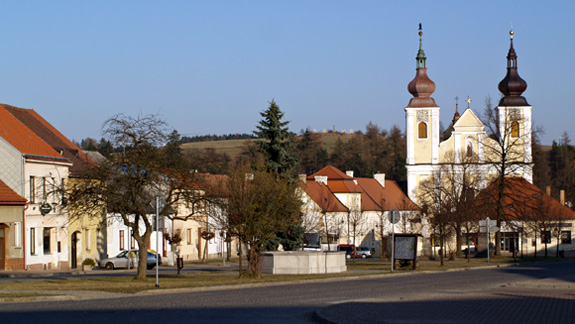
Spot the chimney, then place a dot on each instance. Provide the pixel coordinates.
(302, 177)
(380, 177)
(548, 190)
(562, 197)
(321, 179)
(349, 173)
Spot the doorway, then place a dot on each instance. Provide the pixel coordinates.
(74, 256)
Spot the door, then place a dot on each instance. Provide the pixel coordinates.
(2, 247)
(75, 250)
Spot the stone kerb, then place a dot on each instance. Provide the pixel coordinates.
(303, 262)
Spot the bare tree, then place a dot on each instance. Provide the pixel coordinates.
(259, 205)
(504, 151)
(438, 208)
(128, 182)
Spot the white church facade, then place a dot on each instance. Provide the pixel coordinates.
(467, 140)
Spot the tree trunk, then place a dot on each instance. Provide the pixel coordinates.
(254, 263)
(143, 255)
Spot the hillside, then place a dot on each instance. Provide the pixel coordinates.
(235, 147)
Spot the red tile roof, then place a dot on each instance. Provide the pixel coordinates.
(24, 139)
(332, 173)
(522, 200)
(323, 197)
(9, 196)
(375, 196)
(52, 137)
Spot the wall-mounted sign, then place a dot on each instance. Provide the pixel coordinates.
(45, 208)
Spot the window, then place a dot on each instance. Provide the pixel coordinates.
(44, 194)
(189, 236)
(545, 236)
(422, 130)
(32, 241)
(18, 234)
(132, 240)
(565, 237)
(46, 240)
(88, 240)
(469, 150)
(514, 129)
(121, 240)
(32, 189)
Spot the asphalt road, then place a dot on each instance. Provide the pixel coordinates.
(370, 300)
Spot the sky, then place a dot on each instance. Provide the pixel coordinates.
(211, 67)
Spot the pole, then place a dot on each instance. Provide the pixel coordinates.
(488, 245)
(157, 239)
(392, 246)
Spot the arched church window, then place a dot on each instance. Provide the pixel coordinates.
(422, 130)
(469, 150)
(514, 129)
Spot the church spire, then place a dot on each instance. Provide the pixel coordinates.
(420, 54)
(421, 87)
(512, 86)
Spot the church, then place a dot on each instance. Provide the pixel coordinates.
(468, 141)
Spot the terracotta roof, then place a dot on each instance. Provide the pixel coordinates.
(332, 173)
(522, 200)
(373, 195)
(24, 139)
(343, 186)
(391, 196)
(52, 137)
(323, 197)
(9, 196)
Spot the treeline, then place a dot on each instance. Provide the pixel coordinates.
(556, 168)
(366, 153)
(210, 138)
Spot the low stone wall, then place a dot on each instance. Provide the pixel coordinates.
(303, 262)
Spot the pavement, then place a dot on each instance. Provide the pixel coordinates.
(436, 307)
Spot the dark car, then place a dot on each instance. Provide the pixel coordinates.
(349, 249)
(130, 258)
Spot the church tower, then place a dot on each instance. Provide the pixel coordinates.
(422, 124)
(514, 117)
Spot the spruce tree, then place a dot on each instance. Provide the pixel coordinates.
(277, 144)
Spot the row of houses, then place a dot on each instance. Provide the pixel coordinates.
(36, 230)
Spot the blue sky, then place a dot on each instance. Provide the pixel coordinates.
(211, 66)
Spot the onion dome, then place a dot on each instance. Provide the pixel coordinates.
(421, 87)
(512, 86)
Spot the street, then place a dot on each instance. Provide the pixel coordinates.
(537, 293)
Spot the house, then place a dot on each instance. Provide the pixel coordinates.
(36, 171)
(12, 249)
(203, 220)
(354, 210)
(532, 221)
(85, 232)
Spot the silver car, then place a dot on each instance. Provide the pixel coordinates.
(129, 257)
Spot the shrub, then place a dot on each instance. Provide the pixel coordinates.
(89, 262)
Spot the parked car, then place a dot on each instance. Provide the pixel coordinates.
(129, 257)
(363, 252)
(349, 249)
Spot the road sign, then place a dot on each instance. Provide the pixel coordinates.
(492, 229)
(394, 216)
(492, 222)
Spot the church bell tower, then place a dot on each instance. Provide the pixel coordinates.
(422, 123)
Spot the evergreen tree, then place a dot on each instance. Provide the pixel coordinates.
(277, 143)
